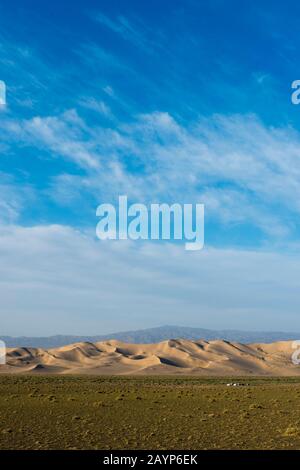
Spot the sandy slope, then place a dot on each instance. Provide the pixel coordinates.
(168, 357)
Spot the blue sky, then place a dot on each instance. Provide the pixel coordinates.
(174, 101)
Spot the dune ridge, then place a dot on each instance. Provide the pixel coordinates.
(174, 356)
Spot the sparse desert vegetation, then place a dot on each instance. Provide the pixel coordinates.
(92, 412)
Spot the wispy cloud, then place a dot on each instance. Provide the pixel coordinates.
(137, 34)
(14, 198)
(215, 161)
(98, 106)
(62, 136)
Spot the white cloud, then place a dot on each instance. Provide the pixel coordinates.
(13, 199)
(54, 279)
(62, 136)
(96, 105)
(136, 34)
(243, 170)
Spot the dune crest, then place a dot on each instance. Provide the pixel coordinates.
(174, 356)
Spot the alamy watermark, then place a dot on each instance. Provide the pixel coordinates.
(2, 353)
(2, 93)
(158, 222)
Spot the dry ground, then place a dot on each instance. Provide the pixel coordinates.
(88, 412)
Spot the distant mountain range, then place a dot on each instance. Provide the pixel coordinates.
(153, 335)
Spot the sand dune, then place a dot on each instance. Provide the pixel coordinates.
(168, 357)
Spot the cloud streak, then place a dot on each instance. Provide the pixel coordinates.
(215, 161)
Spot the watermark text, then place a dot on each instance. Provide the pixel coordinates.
(159, 222)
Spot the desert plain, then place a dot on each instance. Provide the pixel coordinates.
(177, 394)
